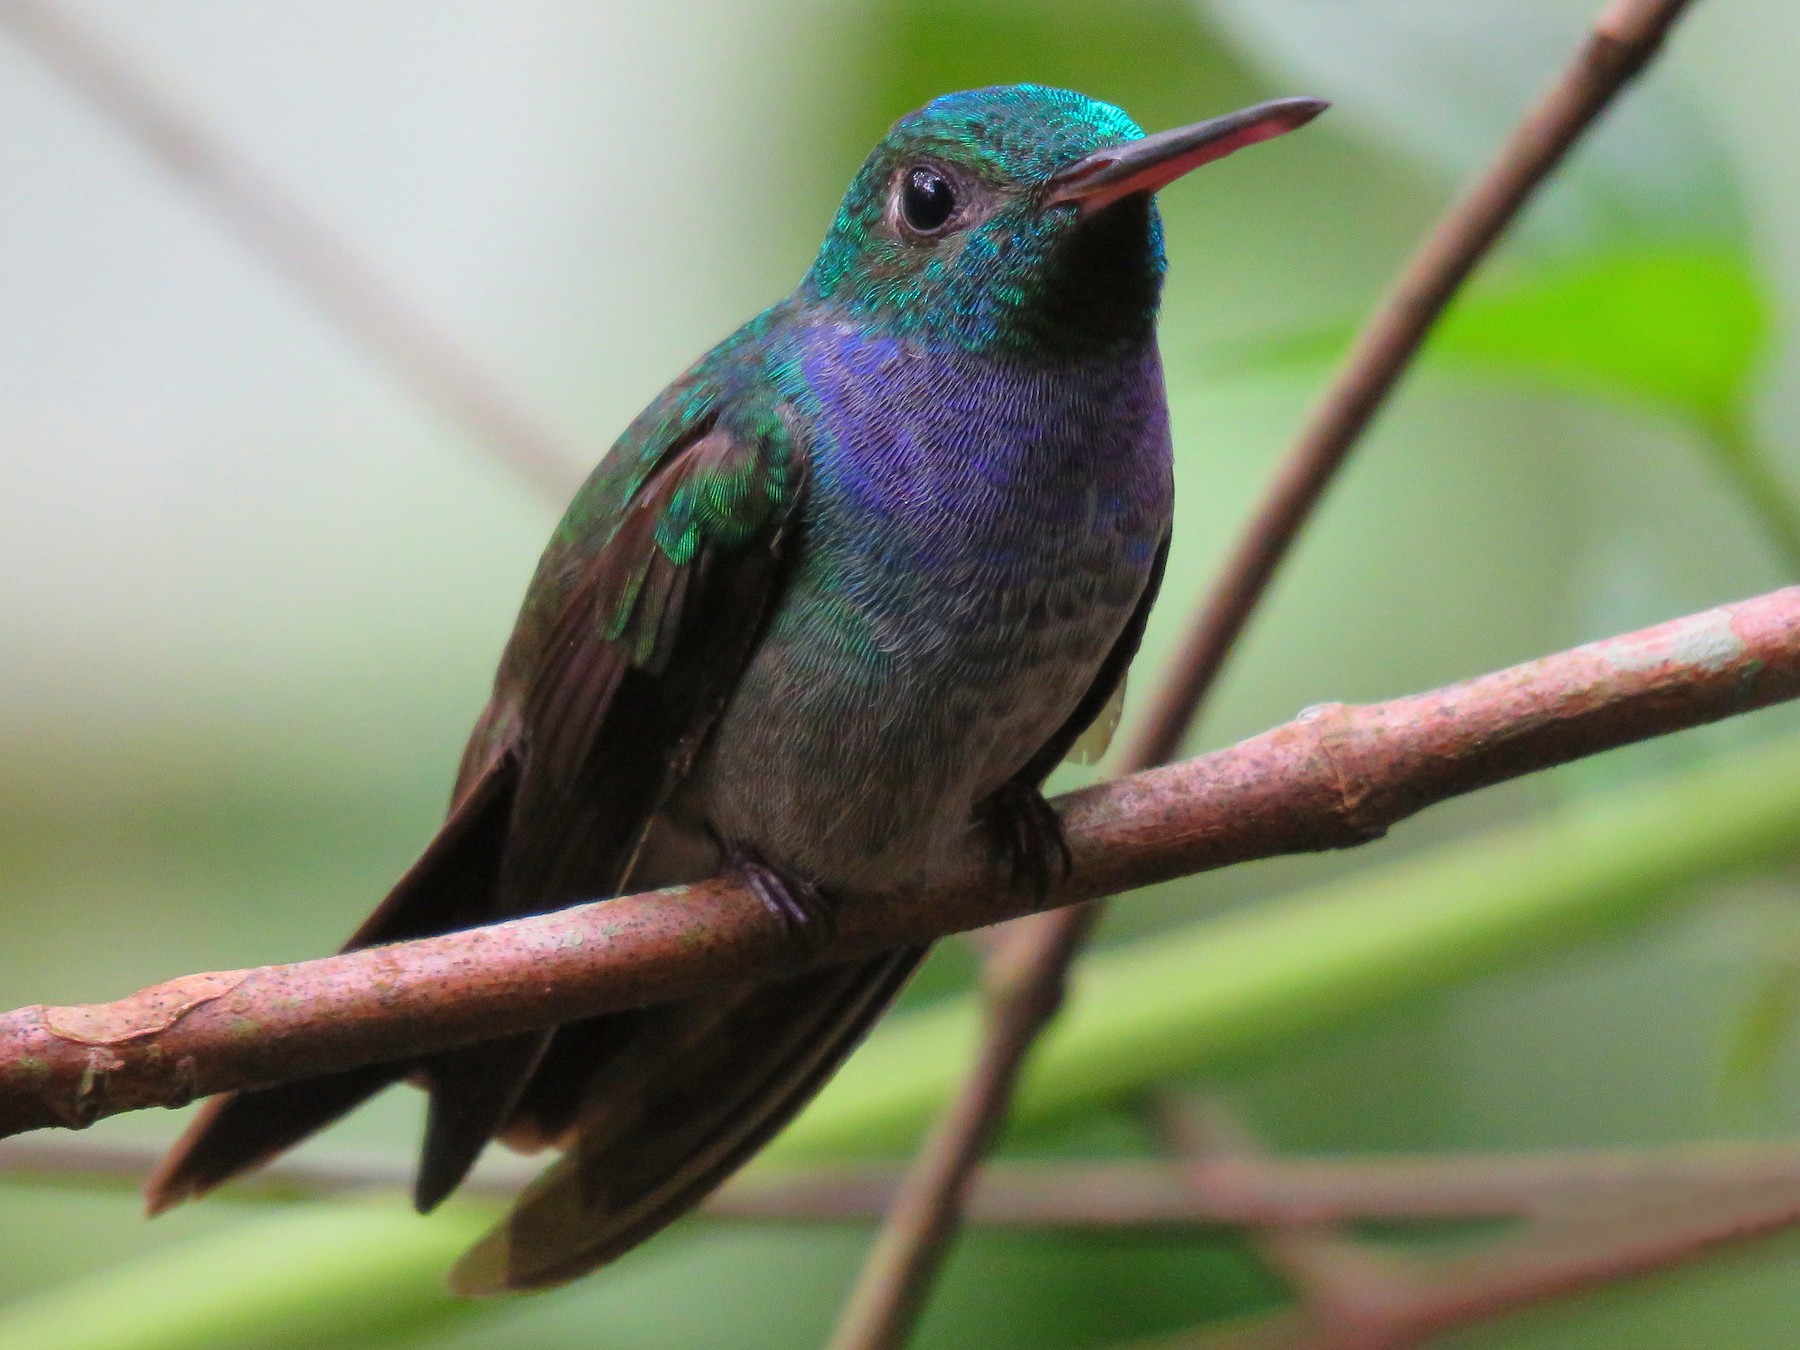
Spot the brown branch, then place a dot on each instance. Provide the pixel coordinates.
(1026, 992)
(280, 229)
(1137, 1195)
(1337, 776)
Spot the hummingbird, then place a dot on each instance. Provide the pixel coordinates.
(848, 589)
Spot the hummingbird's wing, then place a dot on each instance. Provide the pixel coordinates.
(635, 630)
(658, 1105)
(670, 1105)
(644, 636)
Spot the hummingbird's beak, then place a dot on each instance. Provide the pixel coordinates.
(1145, 165)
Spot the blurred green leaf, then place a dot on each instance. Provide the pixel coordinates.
(1653, 298)
(1682, 330)
(1679, 329)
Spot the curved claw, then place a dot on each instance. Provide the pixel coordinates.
(799, 906)
(1029, 836)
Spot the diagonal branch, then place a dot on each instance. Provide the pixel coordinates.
(280, 229)
(1337, 776)
(1624, 39)
(1028, 974)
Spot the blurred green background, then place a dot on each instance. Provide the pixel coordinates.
(251, 593)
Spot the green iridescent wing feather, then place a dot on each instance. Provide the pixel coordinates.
(641, 615)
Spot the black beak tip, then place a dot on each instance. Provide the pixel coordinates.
(1298, 111)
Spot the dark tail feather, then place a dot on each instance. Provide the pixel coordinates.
(473, 1091)
(243, 1130)
(696, 1089)
(450, 886)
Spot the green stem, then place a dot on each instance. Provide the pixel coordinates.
(317, 1275)
(1222, 990)
(1740, 454)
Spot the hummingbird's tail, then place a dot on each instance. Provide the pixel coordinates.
(656, 1106)
(236, 1133)
(671, 1101)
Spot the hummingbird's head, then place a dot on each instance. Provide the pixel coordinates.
(1019, 218)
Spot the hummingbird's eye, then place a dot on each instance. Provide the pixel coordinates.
(927, 199)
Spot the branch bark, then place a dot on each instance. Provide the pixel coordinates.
(1030, 970)
(1335, 777)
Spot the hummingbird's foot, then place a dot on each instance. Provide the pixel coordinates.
(1029, 834)
(799, 906)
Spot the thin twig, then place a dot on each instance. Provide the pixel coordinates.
(1340, 1283)
(1336, 777)
(1624, 39)
(1352, 1294)
(1024, 998)
(294, 242)
(914, 1238)
(1213, 1191)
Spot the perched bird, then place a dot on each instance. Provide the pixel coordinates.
(852, 585)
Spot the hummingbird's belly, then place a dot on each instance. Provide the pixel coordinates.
(856, 767)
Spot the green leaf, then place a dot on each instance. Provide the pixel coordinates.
(1677, 329)
(1654, 301)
